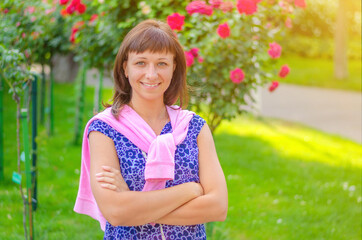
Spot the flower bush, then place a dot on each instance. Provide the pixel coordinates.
(239, 45)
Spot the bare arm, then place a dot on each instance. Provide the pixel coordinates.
(132, 208)
(212, 206)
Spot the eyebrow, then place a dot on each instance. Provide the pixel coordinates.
(162, 58)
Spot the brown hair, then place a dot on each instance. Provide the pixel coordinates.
(155, 36)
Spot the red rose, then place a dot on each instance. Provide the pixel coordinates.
(194, 52)
(284, 71)
(300, 3)
(275, 50)
(247, 6)
(93, 17)
(189, 58)
(6, 11)
(71, 8)
(63, 2)
(175, 21)
(223, 30)
(81, 8)
(237, 75)
(273, 86)
(199, 7)
(215, 3)
(72, 38)
(201, 59)
(226, 6)
(75, 2)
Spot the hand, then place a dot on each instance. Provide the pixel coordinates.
(112, 179)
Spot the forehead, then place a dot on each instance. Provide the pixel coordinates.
(151, 55)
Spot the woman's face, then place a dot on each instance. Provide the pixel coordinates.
(149, 74)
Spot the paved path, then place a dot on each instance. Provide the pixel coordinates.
(332, 111)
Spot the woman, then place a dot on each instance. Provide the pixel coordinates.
(150, 169)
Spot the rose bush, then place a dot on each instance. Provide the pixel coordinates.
(239, 45)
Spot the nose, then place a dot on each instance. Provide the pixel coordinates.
(151, 72)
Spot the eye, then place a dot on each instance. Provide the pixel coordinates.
(162, 64)
(140, 63)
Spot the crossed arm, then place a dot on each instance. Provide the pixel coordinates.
(184, 204)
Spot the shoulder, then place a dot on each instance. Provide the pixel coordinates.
(102, 127)
(195, 125)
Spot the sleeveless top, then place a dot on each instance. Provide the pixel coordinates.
(132, 162)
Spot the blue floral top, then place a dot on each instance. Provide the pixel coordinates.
(132, 162)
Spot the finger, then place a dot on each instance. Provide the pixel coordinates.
(106, 180)
(108, 186)
(107, 168)
(111, 169)
(106, 174)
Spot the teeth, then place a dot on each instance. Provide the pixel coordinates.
(150, 85)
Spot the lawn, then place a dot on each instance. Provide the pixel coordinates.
(320, 73)
(285, 180)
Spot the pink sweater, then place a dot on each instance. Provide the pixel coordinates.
(161, 152)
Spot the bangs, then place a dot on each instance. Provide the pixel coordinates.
(153, 40)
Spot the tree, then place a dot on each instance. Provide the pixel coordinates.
(340, 38)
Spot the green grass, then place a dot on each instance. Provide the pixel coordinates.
(285, 181)
(320, 73)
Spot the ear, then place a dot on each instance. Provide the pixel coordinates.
(125, 69)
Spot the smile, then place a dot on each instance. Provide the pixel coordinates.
(150, 85)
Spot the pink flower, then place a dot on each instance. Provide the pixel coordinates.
(226, 6)
(223, 30)
(6, 11)
(300, 3)
(49, 10)
(199, 7)
(273, 86)
(284, 71)
(215, 3)
(93, 17)
(288, 22)
(247, 6)
(18, 24)
(32, 19)
(201, 59)
(23, 35)
(63, 2)
(237, 75)
(275, 50)
(176, 21)
(81, 8)
(189, 58)
(194, 52)
(29, 10)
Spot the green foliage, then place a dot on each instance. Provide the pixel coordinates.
(14, 70)
(319, 17)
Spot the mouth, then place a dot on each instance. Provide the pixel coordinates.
(150, 85)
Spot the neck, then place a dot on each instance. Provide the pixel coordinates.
(150, 111)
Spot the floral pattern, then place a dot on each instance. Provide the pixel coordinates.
(132, 162)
